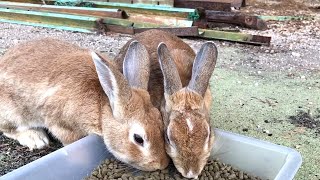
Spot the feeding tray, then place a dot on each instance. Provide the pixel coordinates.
(77, 160)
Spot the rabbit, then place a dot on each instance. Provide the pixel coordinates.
(73, 92)
(179, 87)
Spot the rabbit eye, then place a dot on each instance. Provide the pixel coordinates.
(138, 139)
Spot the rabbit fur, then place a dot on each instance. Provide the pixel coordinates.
(73, 92)
(179, 87)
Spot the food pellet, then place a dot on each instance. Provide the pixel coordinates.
(112, 169)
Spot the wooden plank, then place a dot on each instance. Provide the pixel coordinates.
(161, 20)
(234, 3)
(120, 29)
(99, 12)
(121, 1)
(207, 5)
(27, 1)
(146, 9)
(180, 31)
(154, 2)
(50, 19)
(237, 18)
(235, 37)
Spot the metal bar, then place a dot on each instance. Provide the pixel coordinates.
(115, 13)
(207, 5)
(54, 19)
(236, 18)
(180, 31)
(235, 37)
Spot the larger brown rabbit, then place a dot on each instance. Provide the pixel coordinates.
(178, 86)
(55, 85)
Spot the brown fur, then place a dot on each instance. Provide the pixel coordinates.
(184, 56)
(76, 105)
(189, 145)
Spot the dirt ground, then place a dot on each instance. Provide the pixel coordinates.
(270, 93)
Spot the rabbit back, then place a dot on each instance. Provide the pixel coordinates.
(46, 82)
(183, 56)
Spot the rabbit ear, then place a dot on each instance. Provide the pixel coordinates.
(136, 66)
(171, 78)
(113, 84)
(203, 67)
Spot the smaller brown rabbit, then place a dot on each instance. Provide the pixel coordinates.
(179, 86)
(52, 84)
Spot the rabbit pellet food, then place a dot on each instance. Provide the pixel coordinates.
(112, 169)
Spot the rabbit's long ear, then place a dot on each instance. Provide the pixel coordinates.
(114, 85)
(136, 66)
(171, 78)
(203, 67)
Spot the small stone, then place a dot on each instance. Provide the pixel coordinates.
(232, 176)
(216, 175)
(241, 175)
(295, 54)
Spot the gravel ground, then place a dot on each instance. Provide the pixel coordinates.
(271, 93)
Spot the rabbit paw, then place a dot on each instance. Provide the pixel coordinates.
(33, 138)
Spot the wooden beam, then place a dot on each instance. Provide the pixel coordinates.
(235, 37)
(253, 22)
(66, 21)
(207, 5)
(178, 31)
(146, 9)
(234, 3)
(98, 12)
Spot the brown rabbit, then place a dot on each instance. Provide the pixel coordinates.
(52, 84)
(178, 83)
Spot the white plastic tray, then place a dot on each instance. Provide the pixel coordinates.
(77, 160)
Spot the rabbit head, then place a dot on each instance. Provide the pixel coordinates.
(188, 134)
(134, 134)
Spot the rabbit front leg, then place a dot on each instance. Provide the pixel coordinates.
(66, 135)
(34, 138)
